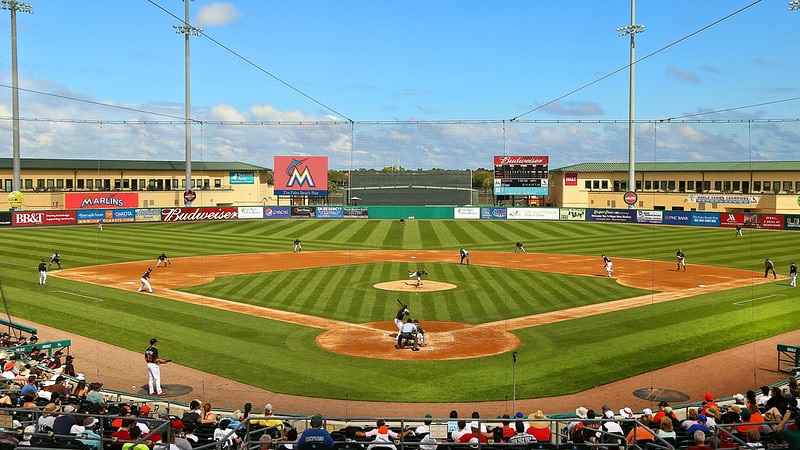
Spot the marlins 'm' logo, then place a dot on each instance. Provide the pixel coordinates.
(298, 175)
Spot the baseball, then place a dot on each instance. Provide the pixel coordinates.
(413, 257)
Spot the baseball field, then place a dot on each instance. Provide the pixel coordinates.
(238, 303)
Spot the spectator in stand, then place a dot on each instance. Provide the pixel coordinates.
(30, 386)
(540, 426)
(268, 419)
(691, 418)
(700, 424)
(709, 402)
(188, 433)
(316, 433)
(452, 424)
(790, 434)
(666, 431)
(248, 407)
(64, 422)
(123, 432)
(700, 442)
(375, 431)
(81, 389)
(94, 395)
(193, 415)
(777, 400)
(45, 421)
(54, 362)
(754, 440)
(227, 438)
(660, 414)
(750, 400)
(641, 433)
(749, 418)
(29, 401)
(425, 428)
(627, 425)
(474, 433)
(610, 431)
(59, 388)
(289, 443)
(135, 435)
(460, 430)
(382, 439)
(521, 437)
(590, 426)
(582, 414)
(89, 436)
(764, 397)
(713, 415)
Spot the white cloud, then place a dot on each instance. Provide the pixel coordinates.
(226, 113)
(217, 14)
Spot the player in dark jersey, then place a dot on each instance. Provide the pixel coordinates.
(681, 259)
(769, 266)
(162, 258)
(42, 272)
(518, 247)
(297, 247)
(793, 274)
(153, 369)
(146, 281)
(398, 318)
(418, 274)
(464, 256)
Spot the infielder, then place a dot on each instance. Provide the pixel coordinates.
(609, 267)
(162, 258)
(518, 247)
(769, 265)
(297, 246)
(56, 258)
(43, 272)
(681, 259)
(146, 281)
(417, 274)
(464, 256)
(398, 318)
(153, 371)
(793, 274)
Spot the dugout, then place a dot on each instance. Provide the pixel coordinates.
(412, 188)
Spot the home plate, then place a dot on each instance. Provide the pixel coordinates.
(413, 257)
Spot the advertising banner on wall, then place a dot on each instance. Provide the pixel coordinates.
(705, 219)
(300, 176)
(677, 218)
(493, 213)
(610, 215)
(646, 216)
(732, 199)
(90, 216)
(101, 200)
(242, 177)
(5, 219)
(772, 221)
(532, 214)
(303, 211)
(521, 175)
(147, 215)
(791, 222)
(356, 213)
(570, 179)
(571, 214)
(37, 218)
(467, 213)
(330, 212)
(250, 212)
(277, 212)
(198, 214)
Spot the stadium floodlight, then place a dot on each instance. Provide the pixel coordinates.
(187, 31)
(631, 30)
(794, 5)
(14, 6)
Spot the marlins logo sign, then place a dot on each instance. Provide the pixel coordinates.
(306, 175)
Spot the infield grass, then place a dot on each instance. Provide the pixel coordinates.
(553, 359)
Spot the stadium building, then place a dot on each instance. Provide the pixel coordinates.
(52, 183)
(755, 186)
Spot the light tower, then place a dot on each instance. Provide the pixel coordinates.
(188, 30)
(14, 6)
(631, 30)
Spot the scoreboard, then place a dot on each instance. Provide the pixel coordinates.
(520, 175)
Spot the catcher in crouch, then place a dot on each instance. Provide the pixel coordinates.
(417, 274)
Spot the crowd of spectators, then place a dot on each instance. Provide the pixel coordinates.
(48, 400)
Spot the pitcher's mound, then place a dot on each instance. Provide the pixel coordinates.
(411, 286)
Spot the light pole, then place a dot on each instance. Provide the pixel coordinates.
(188, 30)
(14, 6)
(631, 31)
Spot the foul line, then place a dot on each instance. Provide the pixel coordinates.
(759, 298)
(80, 295)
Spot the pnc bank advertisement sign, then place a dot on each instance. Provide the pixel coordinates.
(101, 200)
(303, 175)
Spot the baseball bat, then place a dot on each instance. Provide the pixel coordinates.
(401, 303)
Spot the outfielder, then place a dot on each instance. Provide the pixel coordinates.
(464, 256)
(43, 272)
(417, 274)
(146, 281)
(681, 259)
(153, 371)
(162, 258)
(398, 318)
(297, 246)
(793, 274)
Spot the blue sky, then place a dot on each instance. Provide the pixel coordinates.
(392, 61)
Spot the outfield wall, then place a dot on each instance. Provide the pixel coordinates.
(195, 214)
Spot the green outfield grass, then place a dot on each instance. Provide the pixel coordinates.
(553, 359)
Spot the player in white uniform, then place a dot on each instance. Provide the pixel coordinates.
(609, 267)
(153, 369)
(464, 256)
(146, 281)
(43, 272)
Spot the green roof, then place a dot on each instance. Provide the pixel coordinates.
(733, 166)
(126, 164)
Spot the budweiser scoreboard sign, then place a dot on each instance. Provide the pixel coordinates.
(520, 175)
(198, 214)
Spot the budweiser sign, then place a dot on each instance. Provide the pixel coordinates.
(198, 214)
(503, 160)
